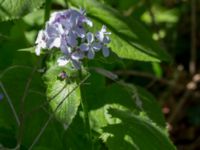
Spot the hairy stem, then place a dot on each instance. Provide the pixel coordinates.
(84, 106)
(10, 104)
(28, 83)
(47, 10)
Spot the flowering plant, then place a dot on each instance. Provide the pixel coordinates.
(69, 31)
(55, 97)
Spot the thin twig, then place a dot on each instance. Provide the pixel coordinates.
(179, 107)
(13, 67)
(153, 19)
(41, 132)
(149, 76)
(10, 104)
(194, 145)
(192, 65)
(37, 92)
(51, 116)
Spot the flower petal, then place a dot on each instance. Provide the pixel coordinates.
(52, 30)
(71, 40)
(88, 22)
(54, 42)
(90, 54)
(96, 46)
(38, 50)
(105, 51)
(103, 29)
(106, 40)
(80, 32)
(65, 49)
(40, 36)
(77, 55)
(90, 37)
(41, 43)
(100, 36)
(84, 47)
(76, 64)
(62, 61)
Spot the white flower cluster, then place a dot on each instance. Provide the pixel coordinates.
(68, 31)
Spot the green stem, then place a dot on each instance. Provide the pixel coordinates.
(66, 3)
(84, 106)
(10, 104)
(22, 104)
(47, 10)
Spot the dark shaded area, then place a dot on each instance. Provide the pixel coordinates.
(175, 85)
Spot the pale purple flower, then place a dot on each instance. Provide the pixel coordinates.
(41, 42)
(56, 17)
(71, 20)
(91, 46)
(64, 47)
(69, 31)
(62, 61)
(105, 51)
(74, 58)
(103, 37)
(72, 39)
(54, 34)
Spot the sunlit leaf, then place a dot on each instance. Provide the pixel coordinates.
(129, 39)
(64, 95)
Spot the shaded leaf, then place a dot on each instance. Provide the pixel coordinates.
(13, 9)
(30, 50)
(14, 80)
(134, 133)
(146, 103)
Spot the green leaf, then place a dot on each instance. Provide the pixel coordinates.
(13, 9)
(129, 39)
(14, 79)
(73, 138)
(61, 92)
(129, 96)
(29, 49)
(148, 126)
(134, 133)
(7, 138)
(64, 95)
(146, 104)
(34, 116)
